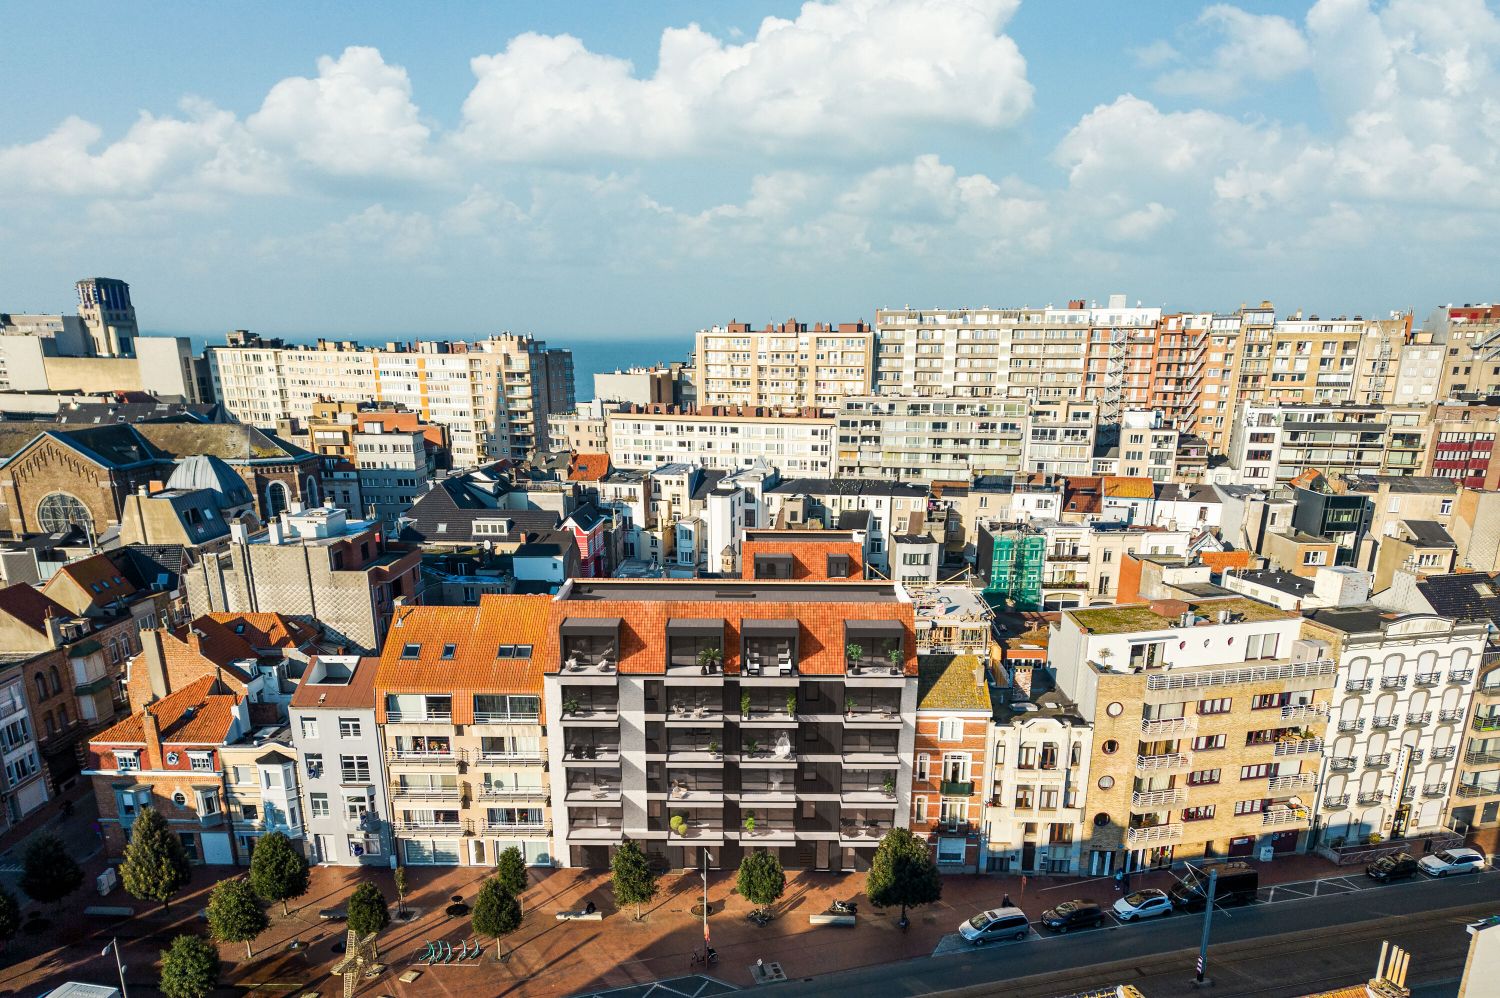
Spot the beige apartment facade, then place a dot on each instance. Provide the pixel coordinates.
(786, 364)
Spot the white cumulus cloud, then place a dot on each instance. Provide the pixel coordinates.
(1253, 49)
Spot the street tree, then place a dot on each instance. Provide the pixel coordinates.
(10, 916)
(497, 913)
(48, 873)
(510, 870)
(189, 968)
(903, 873)
(235, 914)
(631, 877)
(760, 879)
(278, 870)
(367, 909)
(156, 866)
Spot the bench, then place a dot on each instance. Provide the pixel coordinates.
(580, 916)
(109, 911)
(829, 918)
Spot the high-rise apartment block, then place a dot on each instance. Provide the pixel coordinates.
(788, 364)
(724, 438)
(493, 395)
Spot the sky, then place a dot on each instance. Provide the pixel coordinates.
(611, 170)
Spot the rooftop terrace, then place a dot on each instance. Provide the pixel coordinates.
(1163, 615)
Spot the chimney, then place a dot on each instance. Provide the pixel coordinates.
(1020, 679)
(156, 663)
(153, 740)
(52, 623)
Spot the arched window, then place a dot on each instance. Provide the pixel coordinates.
(59, 510)
(277, 498)
(62, 716)
(41, 686)
(56, 680)
(310, 492)
(47, 720)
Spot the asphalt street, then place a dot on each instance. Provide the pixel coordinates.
(1301, 939)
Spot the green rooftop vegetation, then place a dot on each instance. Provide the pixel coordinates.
(1140, 617)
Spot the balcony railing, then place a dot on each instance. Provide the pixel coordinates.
(1371, 797)
(1343, 763)
(1358, 724)
(1336, 803)
(1450, 716)
(1481, 757)
(1291, 781)
(1377, 760)
(429, 825)
(497, 756)
(1444, 754)
(496, 791)
(1419, 720)
(1486, 722)
(1169, 726)
(1198, 679)
(1460, 675)
(1155, 833)
(1299, 746)
(1384, 722)
(1156, 800)
(519, 827)
(1359, 685)
(957, 788)
(425, 755)
(1393, 682)
(418, 717)
(1302, 711)
(1435, 789)
(1163, 763)
(1475, 790)
(426, 793)
(506, 716)
(1273, 816)
(1427, 679)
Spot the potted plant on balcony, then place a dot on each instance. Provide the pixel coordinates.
(708, 660)
(750, 822)
(752, 746)
(849, 706)
(889, 786)
(713, 747)
(791, 703)
(570, 705)
(893, 651)
(679, 824)
(745, 705)
(854, 653)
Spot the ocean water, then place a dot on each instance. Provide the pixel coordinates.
(589, 356)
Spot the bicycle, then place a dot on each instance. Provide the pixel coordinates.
(711, 957)
(760, 917)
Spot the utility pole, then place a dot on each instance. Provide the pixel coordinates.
(1208, 916)
(704, 874)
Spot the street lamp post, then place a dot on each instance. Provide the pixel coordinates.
(114, 944)
(1208, 916)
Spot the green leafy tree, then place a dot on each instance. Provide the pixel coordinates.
(278, 870)
(156, 866)
(903, 873)
(510, 870)
(760, 879)
(189, 968)
(400, 877)
(631, 876)
(234, 913)
(368, 911)
(10, 916)
(48, 872)
(497, 913)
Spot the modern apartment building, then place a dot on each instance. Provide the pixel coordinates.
(930, 438)
(493, 395)
(1275, 443)
(787, 365)
(335, 735)
(1399, 706)
(726, 716)
(458, 699)
(1061, 437)
(881, 508)
(1461, 445)
(1209, 719)
(726, 438)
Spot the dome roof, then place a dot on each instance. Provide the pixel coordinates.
(204, 471)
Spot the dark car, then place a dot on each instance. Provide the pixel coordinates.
(1073, 915)
(1396, 867)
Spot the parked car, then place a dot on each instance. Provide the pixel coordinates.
(997, 923)
(1397, 866)
(1079, 914)
(1148, 903)
(1237, 884)
(1441, 864)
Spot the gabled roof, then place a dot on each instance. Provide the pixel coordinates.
(233, 443)
(588, 467)
(1121, 487)
(948, 682)
(261, 631)
(477, 635)
(446, 515)
(848, 487)
(195, 715)
(587, 517)
(1428, 534)
(30, 606)
(1463, 595)
(97, 576)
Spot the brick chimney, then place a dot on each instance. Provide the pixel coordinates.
(1020, 679)
(153, 740)
(156, 663)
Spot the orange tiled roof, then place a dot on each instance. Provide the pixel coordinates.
(194, 715)
(96, 571)
(476, 633)
(261, 630)
(1122, 487)
(588, 467)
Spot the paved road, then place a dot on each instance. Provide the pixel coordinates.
(1332, 937)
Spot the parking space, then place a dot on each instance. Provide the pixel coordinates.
(955, 943)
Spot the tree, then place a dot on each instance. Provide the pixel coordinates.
(510, 870)
(156, 865)
(189, 969)
(400, 877)
(903, 873)
(760, 879)
(631, 876)
(497, 913)
(278, 870)
(49, 873)
(10, 916)
(367, 909)
(234, 914)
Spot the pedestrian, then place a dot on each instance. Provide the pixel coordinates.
(1005, 901)
(1119, 880)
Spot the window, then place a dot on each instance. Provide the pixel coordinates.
(919, 808)
(1023, 797)
(838, 566)
(1445, 507)
(448, 652)
(208, 801)
(349, 727)
(1315, 557)
(1026, 757)
(314, 763)
(180, 799)
(244, 774)
(127, 762)
(1261, 646)
(356, 768)
(1049, 797)
(1218, 705)
(249, 812)
(411, 651)
(201, 762)
(924, 766)
(1269, 701)
(59, 510)
(1200, 813)
(41, 686)
(355, 808)
(1206, 742)
(1203, 777)
(1249, 806)
(309, 727)
(57, 682)
(1259, 771)
(951, 729)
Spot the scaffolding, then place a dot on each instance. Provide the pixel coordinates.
(1016, 570)
(1114, 376)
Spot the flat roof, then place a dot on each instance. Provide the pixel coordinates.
(1141, 617)
(799, 535)
(737, 590)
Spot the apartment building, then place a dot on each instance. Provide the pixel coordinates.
(1400, 702)
(458, 701)
(263, 792)
(1209, 719)
(794, 441)
(1035, 819)
(949, 774)
(316, 566)
(1144, 446)
(1461, 445)
(786, 365)
(883, 509)
(803, 554)
(335, 734)
(1468, 333)
(726, 716)
(583, 430)
(493, 395)
(930, 438)
(25, 781)
(1061, 437)
(1275, 443)
(637, 385)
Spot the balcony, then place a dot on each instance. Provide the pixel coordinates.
(1153, 835)
(588, 646)
(592, 792)
(1359, 685)
(1444, 754)
(1427, 679)
(769, 648)
(1282, 817)
(587, 753)
(696, 706)
(956, 788)
(501, 791)
(519, 827)
(448, 756)
(1419, 720)
(858, 831)
(1482, 757)
(1393, 683)
(1450, 716)
(1345, 727)
(1434, 789)
(1196, 679)
(1475, 790)
(1290, 782)
(419, 717)
(1145, 801)
(1343, 764)
(1385, 722)
(409, 791)
(1303, 712)
(589, 711)
(1169, 727)
(1299, 746)
(453, 826)
(1338, 803)
(595, 832)
(773, 789)
(696, 830)
(1166, 763)
(1378, 760)
(1486, 722)
(1368, 797)
(867, 712)
(767, 831)
(510, 757)
(506, 716)
(1459, 676)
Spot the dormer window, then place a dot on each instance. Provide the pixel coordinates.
(127, 762)
(411, 651)
(448, 651)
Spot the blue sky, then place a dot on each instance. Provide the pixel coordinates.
(602, 170)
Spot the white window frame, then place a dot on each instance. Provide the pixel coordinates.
(946, 728)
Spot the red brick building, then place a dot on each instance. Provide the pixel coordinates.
(951, 751)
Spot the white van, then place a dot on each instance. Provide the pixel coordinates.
(997, 923)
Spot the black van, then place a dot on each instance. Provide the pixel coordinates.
(1237, 884)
